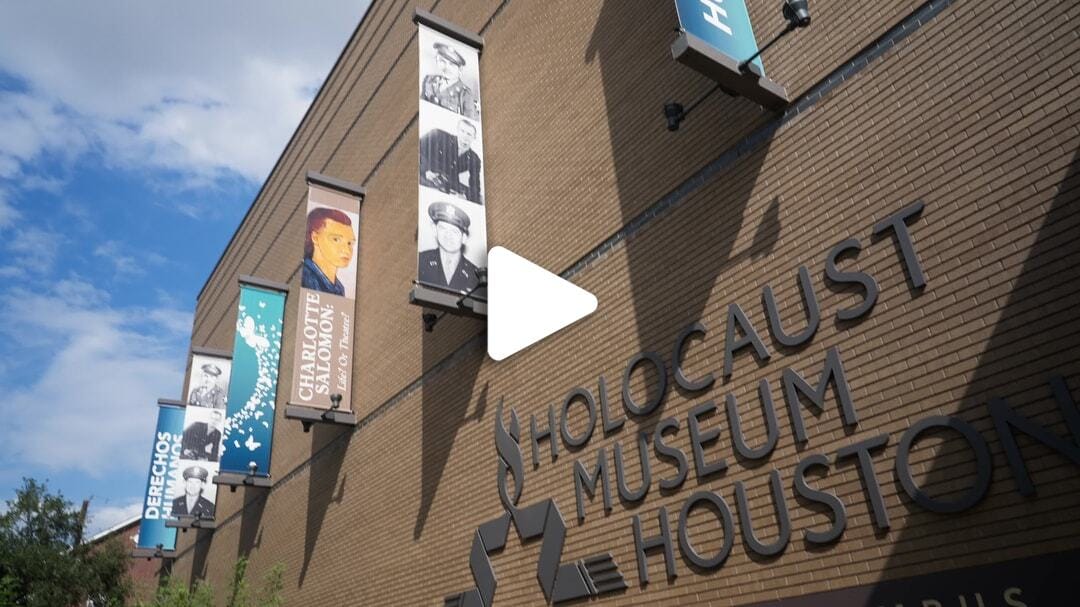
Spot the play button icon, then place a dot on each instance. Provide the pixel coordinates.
(526, 303)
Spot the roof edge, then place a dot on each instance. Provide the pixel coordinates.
(292, 138)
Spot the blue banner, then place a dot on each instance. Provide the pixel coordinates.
(249, 425)
(722, 24)
(161, 486)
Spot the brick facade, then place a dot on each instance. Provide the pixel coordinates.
(970, 108)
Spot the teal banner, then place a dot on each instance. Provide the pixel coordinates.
(249, 426)
(722, 24)
(161, 486)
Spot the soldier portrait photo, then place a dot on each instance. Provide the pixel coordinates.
(449, 81)
(450, 163)
(202, 435)
(209, 386)
(329, 251)
(192, 502)
(445, 265)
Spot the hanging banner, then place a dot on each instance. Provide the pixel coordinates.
(715, 37)
(322, 363)
(161, 485)
(200, 447)
(249, 425)
(722, 24)
(208, 387)
(452, 231)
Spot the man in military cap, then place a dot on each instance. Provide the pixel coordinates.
(446, 265)
(202, 440)
(192, 503)
(208, 393)
(449, 164)
(445, 88)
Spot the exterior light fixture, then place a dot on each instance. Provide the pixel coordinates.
(430, 318)
(674, 113)
(797, 13)
(701, 46)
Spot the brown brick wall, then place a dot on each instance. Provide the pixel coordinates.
(974, 113)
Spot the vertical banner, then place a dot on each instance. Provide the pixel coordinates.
(249, 425)
(722, 24)
(452, 229)
(322, 364)
(204, 422)
(715, 37)
(161, 487)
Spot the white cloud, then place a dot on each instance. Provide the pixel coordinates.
(102, 518)
(8, 214)
(202, 88)
(95, 373)
(52, 185)
(110, 250)
(34, 250)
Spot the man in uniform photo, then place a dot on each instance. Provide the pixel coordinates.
(192, 503)
(202, 440)
(446, 265)
(208, 393)
(449, 164)
(445, 88)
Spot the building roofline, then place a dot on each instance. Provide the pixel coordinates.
(281, 156)
(117, 527)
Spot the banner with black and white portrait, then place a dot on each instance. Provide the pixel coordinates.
(322, 363)
(452, 228)
(208, 383)
(201, 440)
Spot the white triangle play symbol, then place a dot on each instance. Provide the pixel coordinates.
(526, 303)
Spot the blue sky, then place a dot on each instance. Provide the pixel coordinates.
(133, 137)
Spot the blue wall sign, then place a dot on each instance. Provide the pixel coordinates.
(722, 24)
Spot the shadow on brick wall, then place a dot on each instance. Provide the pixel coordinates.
(1034, 339)
(323, 486)
(251, 520)
(691, 255)
(199, 553)
(444, 410)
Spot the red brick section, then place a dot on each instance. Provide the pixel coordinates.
(974, 113)
(143, 574)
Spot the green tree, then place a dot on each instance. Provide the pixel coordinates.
(174, 593)
(40, 565)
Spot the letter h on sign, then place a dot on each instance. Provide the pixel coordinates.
(713, 13)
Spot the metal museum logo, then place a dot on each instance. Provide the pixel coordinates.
(599, 575)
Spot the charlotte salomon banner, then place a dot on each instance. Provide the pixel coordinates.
(249, 420)
(161, 486)
(452, 229)
(322, 364)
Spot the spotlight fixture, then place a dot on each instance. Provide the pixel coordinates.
(335, 401)
(797, 14)
(429, 318)
(674, 113)
(253, 468)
